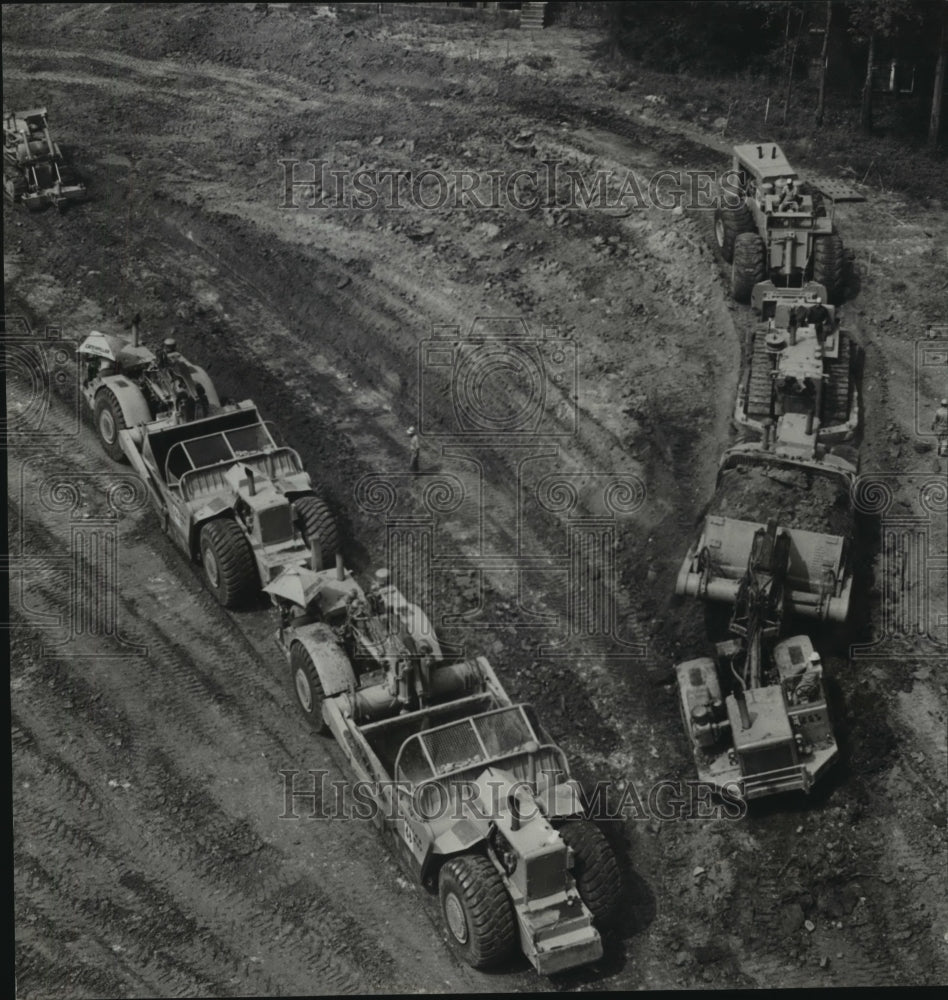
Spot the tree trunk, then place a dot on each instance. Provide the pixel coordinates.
(793, 57)
(821, 102)
(865, 116)
(938, 91)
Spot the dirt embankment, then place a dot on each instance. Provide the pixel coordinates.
(185, 880)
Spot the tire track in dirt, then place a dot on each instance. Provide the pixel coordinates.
(204, 850)
(170, 78)
(774, 830)
(49, 968)
(593, 688)
(198, 844)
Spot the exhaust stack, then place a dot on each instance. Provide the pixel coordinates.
(315, 556)
(513, 804)
(741, 700)
(340, 569)
(135, 323)
(531, 748)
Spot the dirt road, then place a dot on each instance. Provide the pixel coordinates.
(150, 853)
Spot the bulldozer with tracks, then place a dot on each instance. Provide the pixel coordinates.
(470, 791)
(799, 381)
(35, 173)
(772, 241)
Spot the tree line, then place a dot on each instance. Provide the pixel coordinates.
(851, 49)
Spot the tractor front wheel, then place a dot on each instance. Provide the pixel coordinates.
(108, 422)
(308, 688)
(228, 562)
(729, 223)
(828, 264)
(477, 911)
(318, 525)
(595, 869)
(748, 267)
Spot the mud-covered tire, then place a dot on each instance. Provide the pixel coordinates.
(748, 266)
(595, 869)
(228, 562)
(729, 223)
(828, 264)
(317, 523)
(16, 186)
(307, 688)
(108, 422)
(477, 911)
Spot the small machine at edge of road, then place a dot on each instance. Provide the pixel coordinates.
(34, 171)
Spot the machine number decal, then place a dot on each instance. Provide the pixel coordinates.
(412, 840)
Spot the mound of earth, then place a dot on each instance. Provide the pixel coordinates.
(797, 498)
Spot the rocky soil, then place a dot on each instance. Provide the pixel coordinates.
(152, 855)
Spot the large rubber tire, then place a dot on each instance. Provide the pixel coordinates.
(307, 688)
(729, 223)
(229, 566)
(477, 911)
(828, 264)
(595, 870)
(748, 267)
(108, 422)
(316, 522)
(17, 187)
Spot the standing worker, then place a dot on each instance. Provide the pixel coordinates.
(817, 316)
(940, 427)
(415, 449)
(797, 319)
